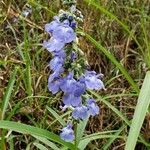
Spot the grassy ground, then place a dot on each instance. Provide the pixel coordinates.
(120, 27)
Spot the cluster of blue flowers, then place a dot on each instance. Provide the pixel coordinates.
(70, 75)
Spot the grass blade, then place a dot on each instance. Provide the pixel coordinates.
(111, 140)
(114, 61)
(83, 143)
(39, 146)
(140, 113)
(115, 110)
(80, 130)
(27, 129)
(47, 142)
(107, 103)
(61, 121)
(27, 75)
(8, 93)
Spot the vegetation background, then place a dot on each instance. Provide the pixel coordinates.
(116, 43)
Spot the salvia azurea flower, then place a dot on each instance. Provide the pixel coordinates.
(56, 63)
(80, 112)
(67, 133)
(70, 76)
(71, 100)
(92, 80)
(93, 109)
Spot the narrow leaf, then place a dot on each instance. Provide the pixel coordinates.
(39, 146)
(27, 129)
(54, 113)
(47, 142)
(139, 114)
(80, 130)
(83, 143)
(8, 93)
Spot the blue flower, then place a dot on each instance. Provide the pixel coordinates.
(56, 63)
(71, 86)
(80, 112)
(92, 82)
(54, 82)
(93, 108)
(50, 27)
(54, 86)
(71, 100)
(68, 83)
(60, 53)
(79, 88)
(53, 45)
(64, 33)
(53, 76)
(67, 133)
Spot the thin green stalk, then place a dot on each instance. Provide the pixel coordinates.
(76, 136)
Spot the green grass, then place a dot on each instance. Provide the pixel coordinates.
(26, 129)
(115, 39)
(140, 113)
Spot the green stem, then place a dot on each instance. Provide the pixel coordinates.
(76, 141)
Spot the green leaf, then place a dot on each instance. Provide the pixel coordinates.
(28, 146)
(47, 142)
(39, 146)
(111, 140)
(107, 103)
(80, 130)
(84, 142)
(8, 93)
(35, 131)
(54, 113)
(27, 74)
(11, 144)
(124, 118)
(139, 114)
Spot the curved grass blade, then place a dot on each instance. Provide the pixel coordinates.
(107, 103)
(80, 130)
(140, 113)
(27, 129)
(8, 93)
(58, 117)
(111, 140)
(83, 143)
(113, 60)
(39, 146)
(18, 48)
(47, 142)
